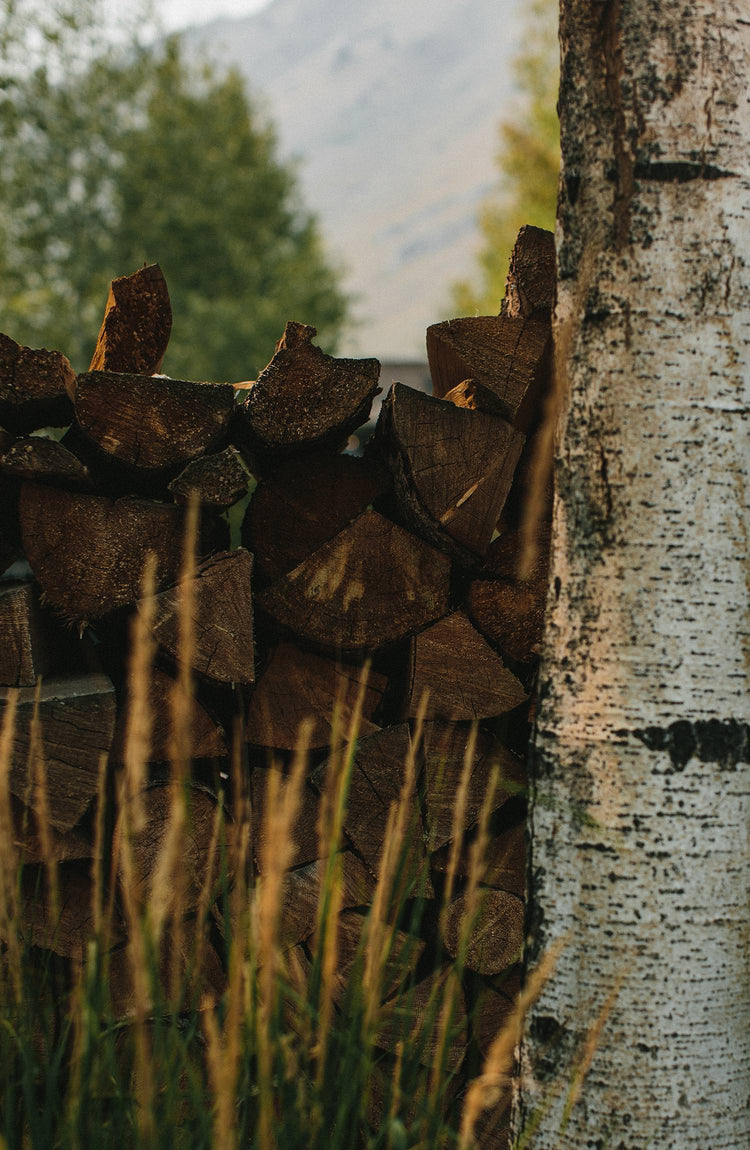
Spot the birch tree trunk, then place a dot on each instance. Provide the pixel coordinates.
(639, 831)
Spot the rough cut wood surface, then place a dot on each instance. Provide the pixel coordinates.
(137, 324)
(222, 618)
(24, 654)
(44, 460)
(452, 468)
(497, 937)
(219, 479)
(531, 284)
(205, 738)
(77, 718)
(304, 397)
(297, 685)
(302, 891)
(464, 677)
(413, 1016)
(149, 421)
(35, 387)
(370, 585)
(87, 552)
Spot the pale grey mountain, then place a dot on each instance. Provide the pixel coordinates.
(392, 107)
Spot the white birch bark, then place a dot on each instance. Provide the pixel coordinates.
(641, 794)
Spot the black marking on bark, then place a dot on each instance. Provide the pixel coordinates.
(553, 1044)
(612, 56)
(724, 742)
(679, 172)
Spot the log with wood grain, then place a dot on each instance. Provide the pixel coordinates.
(386, 585)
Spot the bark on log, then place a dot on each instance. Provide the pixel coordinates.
(370, 585)
(531, 284)
(507, 357)
(296, 685)
(45, 461)
(299, 507)
(222, 618)
(496, 939)
(452, 468)
(376, 781)
(305, 399)
(205, 738)
(220, 479)
(35, 387)
(444, 750)
(150, 422)
(464, 677)
(77, 717)
(87, 552)
(24, 654)
(137, 324)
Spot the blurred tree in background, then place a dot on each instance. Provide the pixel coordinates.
(117, 153)
(528, 160)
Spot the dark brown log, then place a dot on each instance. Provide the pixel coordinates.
(205, 738)
(68, 932)
(413, 1017)
(35, 387)
(464, 677)
(531, 283)
(405, 953)
(151, 422)
(302, 505)
(452, 468)
(88, 552)
(147, 842)
(44, 460)
(505, 860)
(77, 718)
(376, 782)
(493, 1010)
(496, 939)
(508, 610)
(24, 654)
(370, 585)
(136, 325)
(220, 479)
(302, 890)
(444, 752)
(222, 618)
(507, 357)
(207, 980)
(57, 846)
(306, 847)
(304, 398)
(296, 685)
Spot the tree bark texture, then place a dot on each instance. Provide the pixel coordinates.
(639, 835)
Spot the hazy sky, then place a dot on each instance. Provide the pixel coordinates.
(179, 13)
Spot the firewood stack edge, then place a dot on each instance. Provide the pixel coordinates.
(405, 556)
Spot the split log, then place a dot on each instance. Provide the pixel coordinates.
(370, 585)
(297, 685)
(77, 717)
(508, 610)
(506, 356)
(24, 654)
(35, 387)
(206, 980)
(222, 618)
(413, 1017)
(147, 843)
(496, 939)
(137, 324)
(452, 468)
(532, 280)
(402, 958)
(376, 782)
(205, 738)
(302, 892)
(151, 422)
(68, 932)
(88, 552)
(57, 846)
(305, 399)
(306, 847)
(220, 479)
(444, 751)
(302, 505)
(464, 677)
(44, 460)
(505, 860)
(493, 1009)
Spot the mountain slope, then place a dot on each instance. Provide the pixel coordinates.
(392, 107)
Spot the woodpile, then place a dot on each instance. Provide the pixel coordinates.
(405, 560)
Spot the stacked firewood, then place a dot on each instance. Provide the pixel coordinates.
(405, 558)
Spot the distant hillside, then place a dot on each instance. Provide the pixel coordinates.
(392, 106)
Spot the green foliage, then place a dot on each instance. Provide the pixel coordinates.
(528, 160)
(120, 155)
